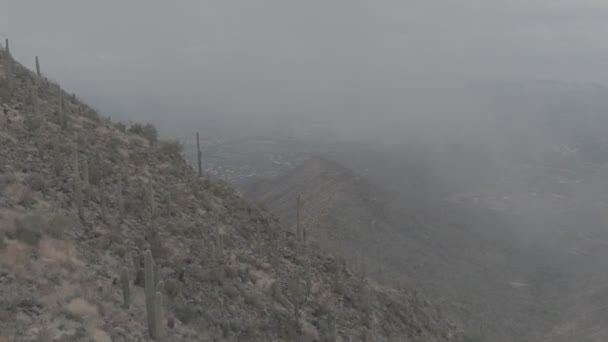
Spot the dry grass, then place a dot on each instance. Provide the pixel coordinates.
(15, 192)
(82, 308)
(60, 252)
(15, 254)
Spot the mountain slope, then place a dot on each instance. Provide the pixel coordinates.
(465, 259)
(82, 198)
(325, 186)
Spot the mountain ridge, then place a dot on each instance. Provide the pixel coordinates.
(451, 255)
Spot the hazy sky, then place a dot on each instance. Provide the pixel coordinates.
(184, 59)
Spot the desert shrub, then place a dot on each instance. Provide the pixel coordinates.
(3, 165)
(149, 132)
(82, 140)
(138, 158)
(136, 128)
(21, 165)
(477, 337)
(5, 91)
(46, 145)
(6, 180)
(27, 198)
(114, 149)
(36, 182)
(473, 337)
(43, 333)
(98, 169)
(31, 228)
(114, 143)
(91, 114)
(58, 224)
(172, 288)
(231, 291)
(132, 206)
(185, 313)
(121, 126)
(171, 149)
(254, 299)
(32, 122)
(93, 139)
(27, 229)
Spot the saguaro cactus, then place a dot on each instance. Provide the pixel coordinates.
(86, 183)
(159, 317)
(103, 197)
(63, 115)
(304, 234)
(308, 275)
(338, 268)
(150, 290)
(365, 335)
(78, 196)
(85, 174)
(37, 66)
(9, 71)
(33, 96)
(7, 46)
(120, 205)
(219, 242)
(151, 202)
(126, 291)
(156, 274)
(296, 328)
(199, 155)
(330, 335)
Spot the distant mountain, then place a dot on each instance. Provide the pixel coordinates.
(335, 202)
(343, 212)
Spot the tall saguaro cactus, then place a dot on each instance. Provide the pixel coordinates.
(103, 202)
(9, 68)
(156, 274)
(37, 66)
(126, 291)
(150, 289)
(308, 273)
(85, 174)
(328, 331)
(219, 245)
(159, 317)
(33, 95)
(63, 115)
(120, 204)
(78, 196)
(150, 201)
(7, 46)
(199, 155)
(337, 272)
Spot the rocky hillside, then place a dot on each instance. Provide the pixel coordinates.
(83, 199)
(465, 258)
(326, 188)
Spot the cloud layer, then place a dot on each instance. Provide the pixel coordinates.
(247, 59)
